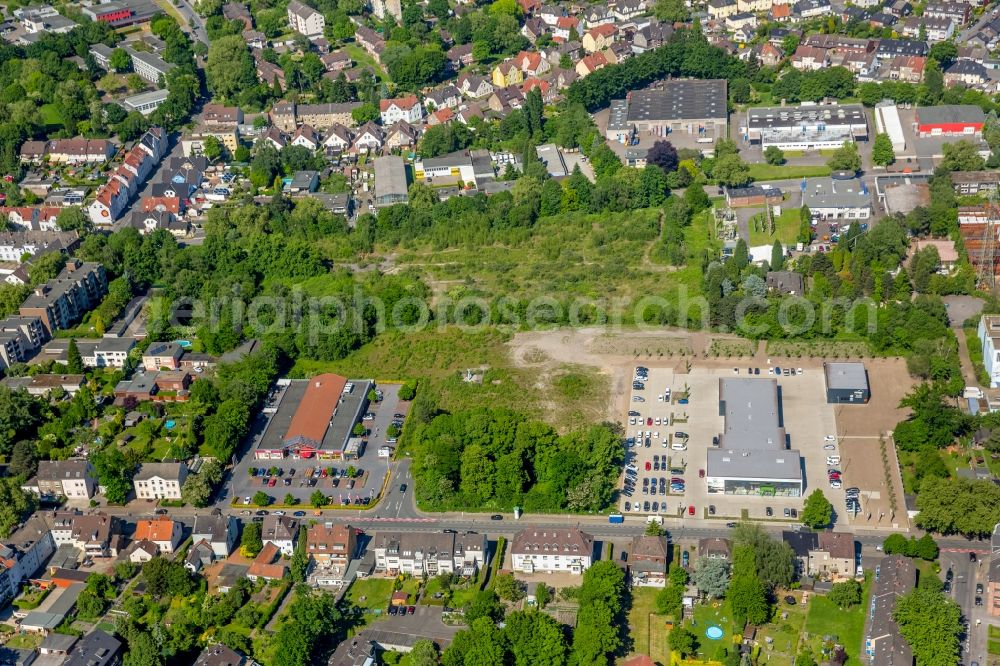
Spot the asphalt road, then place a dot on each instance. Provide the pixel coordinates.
(194, 22)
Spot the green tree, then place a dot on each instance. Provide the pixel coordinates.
(114, 472)
(542, 594)
(777, 256)
(845, 594)
(817, 511)
(961, 156)
(535, 639)
(671, 11)
(508, 588)
(424, 653)
(165, 577)
(250, 541)
(74, 362)
(747, 595)
(260, 498)
(931, 623)
(774, 155)
(299, 564)
(73, 219)
(317, 499)
(895, 544)
(845, 158)
(120, 61)
(23, 460)
(229, 69)
(882, 152)
(711, 576)
(774, 559)
(682, 641)
(731, 170)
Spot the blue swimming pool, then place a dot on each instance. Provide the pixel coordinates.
(713, 633)
(169, 425)
(183, 343)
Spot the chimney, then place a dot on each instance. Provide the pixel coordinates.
(72, 264)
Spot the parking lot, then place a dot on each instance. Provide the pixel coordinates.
(294, 477)
(808, 420)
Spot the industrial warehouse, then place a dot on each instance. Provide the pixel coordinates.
(752, 457)
(694, 107)
(805, 127)
(846, 383)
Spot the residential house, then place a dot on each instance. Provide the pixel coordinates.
(715, 548)
(786, 283)
(596, 15)
(551, 13)
(504, 99)
(370, 41)
(142, 551)
(306, 137)
(599, 38)
(369, 139)
(532, 63)
(267, 564)
(73, 479)
(304, 19)
(895, 576)
(766, 53)
(93, 534)
(909, 69)
(935, 29)
(430, 553)
(627, 10)
(161, 530)
(753, 6)
(337, 61)
(648, 559)
(22, 554)
(967, 73)
(651, 37)
(332, 546)
(406, 108)
(235, 11)
(780, 13)
(199, 556)
(217, 114)
(160, 480)
(807, 9)
(835, 556)
(507, 73)
(27, 218)
(445, 97)
(338, 140)
(162, 356)
(222, 655)
(401, 135)
(722, 9)
(802, 543)
(565, 27)
(890, 48)
(95, 649)
(475, 86)
(282, 531)
(552, 551)
(958, 12)
(810, 58)
(590, 64)
(218, 531)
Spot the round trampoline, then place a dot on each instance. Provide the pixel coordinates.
(713, 633)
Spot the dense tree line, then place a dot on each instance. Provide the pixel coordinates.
(497, 459)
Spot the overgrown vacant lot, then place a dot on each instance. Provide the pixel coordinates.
(602, 256)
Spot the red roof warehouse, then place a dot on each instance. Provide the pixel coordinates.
(950, 120)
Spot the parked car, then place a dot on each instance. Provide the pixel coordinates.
(496, 516)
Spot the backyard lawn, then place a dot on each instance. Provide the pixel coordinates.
(648, 630)
(360, 56)
(371, 593)
(715, 613)
(784, 631)
(842, 626)
(786, 229)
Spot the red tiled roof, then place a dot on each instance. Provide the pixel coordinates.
(313, 415)
(407, 102)
(157, 529)
(606, 30)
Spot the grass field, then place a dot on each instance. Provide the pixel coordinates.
(648, 630)
(843, 626)
(764, 172)
(440, 357)
(786, 229)
(51, 115)
(360, 56)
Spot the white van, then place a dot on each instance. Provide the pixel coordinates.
(833, 460)
(679, 445)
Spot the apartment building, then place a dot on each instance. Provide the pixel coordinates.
(73, 479)
(406, 108)
(123, 183)
(20, 338)
(93, 534)
(551, 551)
(23, 554)
(16, 244)
(305, 20)
(160, 480)
(429, 553)
(61, 301)
(149, 66)
(68, 151)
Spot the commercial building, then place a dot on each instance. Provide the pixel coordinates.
(806, 127)
(536, 550)
(950, 120)
(430, 553)
(839, 197)
(752, 457)
(975, 182)
(468, 166)
(887, 122)
(390, 181)
(122, 13)
(846, 382)
(149, 66)
(895, 576)
(695, 107)
(147, 102)
(314, 418)
(160, 480)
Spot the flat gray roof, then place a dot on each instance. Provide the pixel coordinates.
(950, 113)
(846, 375)
(390, 180)
(750, 407)
(680, 99)
(836, 193)
(755, 465)
(783, 117)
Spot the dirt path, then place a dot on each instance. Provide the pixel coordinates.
(968, 372)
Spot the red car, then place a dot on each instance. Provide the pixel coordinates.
(648, 466)
(649, 420)
(691, 510)
(272, 482)
(701, 474)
